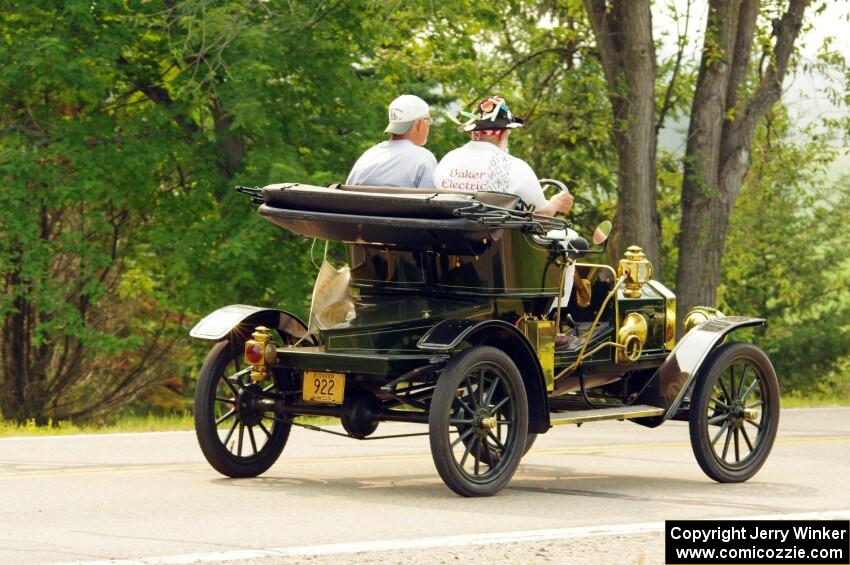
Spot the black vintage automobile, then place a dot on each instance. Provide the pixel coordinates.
(454, 316)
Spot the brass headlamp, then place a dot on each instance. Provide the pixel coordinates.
(636, 269)
(698, 315)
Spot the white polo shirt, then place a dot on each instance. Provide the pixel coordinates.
(480, 165)
(394, 163)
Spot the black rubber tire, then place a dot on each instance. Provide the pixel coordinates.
(529, 441)
(705, 434)
(215, 451)
(445, 395)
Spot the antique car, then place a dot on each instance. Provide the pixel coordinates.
(457, 313)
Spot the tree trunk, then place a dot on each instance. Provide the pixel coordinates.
(23, 377)
(15, 348)
(720, 137)
(623, 34)
(231, 144)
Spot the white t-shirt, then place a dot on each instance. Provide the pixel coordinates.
(394, 163)
(481, 165)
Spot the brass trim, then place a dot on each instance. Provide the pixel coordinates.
(599, 266)
(699, 315)
(637, 270)
(541, 335)
(581, 353)
(600, 414)
(617, 316)
(583, 294)
(614, 278)
(262, 336)
(662, 290)
(631, 337)
(669, 313)
(582, 286)
(601, 346)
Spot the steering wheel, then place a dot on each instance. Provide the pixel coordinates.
(556, 183)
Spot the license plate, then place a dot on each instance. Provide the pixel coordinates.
(327, 388)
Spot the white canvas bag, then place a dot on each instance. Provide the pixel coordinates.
(331, 303)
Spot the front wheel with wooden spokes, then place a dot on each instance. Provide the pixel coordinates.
(734, 412)
(234, 417)
(478, 421)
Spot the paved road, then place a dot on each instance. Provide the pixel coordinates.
(153, 499)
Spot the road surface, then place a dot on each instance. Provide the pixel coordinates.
(151, 498)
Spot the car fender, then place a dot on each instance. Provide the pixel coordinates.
(671, 382)
(244, 318)
(450, 335)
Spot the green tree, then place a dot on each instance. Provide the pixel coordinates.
(83, 166)
(125, 126)
(730, 99)
(785, 258)
(626, 51)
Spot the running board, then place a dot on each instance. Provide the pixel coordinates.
(598, 414)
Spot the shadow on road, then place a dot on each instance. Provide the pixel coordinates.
(523, 493)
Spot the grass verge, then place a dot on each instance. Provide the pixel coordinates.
(149, 423)
(815, 401)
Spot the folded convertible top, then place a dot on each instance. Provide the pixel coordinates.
(382, 201)
(411, 219)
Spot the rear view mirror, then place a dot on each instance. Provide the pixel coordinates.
(601, 233)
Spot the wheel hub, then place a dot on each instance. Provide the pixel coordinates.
(483, 422)
(248, 408)
(738, 413)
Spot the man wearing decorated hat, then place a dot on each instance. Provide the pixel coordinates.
(484, 162)
(401, 161)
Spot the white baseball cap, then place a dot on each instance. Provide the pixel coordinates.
(405, 110)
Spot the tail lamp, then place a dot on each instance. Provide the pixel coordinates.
(254, 354)
(260, 350)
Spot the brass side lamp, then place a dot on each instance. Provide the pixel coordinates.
(636, 269)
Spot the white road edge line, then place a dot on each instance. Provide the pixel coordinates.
(437, 542)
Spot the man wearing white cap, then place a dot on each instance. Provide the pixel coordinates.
(401, 161)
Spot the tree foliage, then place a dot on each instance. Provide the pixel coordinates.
(125, 125)
(786, 260)
(732, 95)
(84, 169)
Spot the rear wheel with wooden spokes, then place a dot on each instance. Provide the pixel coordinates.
(235, 417)
(478, 421)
